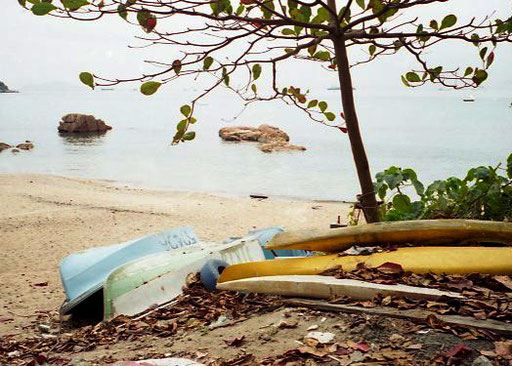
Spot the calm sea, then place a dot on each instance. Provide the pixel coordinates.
(437, 134)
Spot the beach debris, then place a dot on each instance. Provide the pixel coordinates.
(4, 146)
(159, 362)
(235, 342)
(338, 224)
(220, 322)
(40, 284)
(483, 296)
(82, 123)
(27, 145)
(4, 319)
(322, 337)
(287, 324)
(482, 361)
(270, 138)
(15, 150)
(258, 196)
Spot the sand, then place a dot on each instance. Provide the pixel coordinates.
(44, 218)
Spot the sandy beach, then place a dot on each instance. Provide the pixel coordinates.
(44, 218)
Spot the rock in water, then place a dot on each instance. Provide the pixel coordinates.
(4, 146)
(27, 145)
(82, 123)
(239, 133)
(270, 138)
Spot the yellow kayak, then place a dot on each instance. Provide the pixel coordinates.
(426, 232)
(450, 260)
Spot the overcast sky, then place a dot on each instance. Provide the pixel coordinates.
(36, 50)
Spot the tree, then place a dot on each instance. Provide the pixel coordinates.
(258, 35)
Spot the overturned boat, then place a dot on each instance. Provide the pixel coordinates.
(130, 277)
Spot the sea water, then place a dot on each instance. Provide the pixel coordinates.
(435, 133)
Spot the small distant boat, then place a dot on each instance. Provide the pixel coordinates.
(337, 88)
(469, 98)
(83, 274)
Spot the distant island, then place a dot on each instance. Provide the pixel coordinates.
(5, 89)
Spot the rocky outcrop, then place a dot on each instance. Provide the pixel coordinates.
(270, 138)
(4, 146)
(27, 145)
(280, 146)
(82, 123)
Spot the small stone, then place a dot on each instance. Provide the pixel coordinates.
(482, 361)
(313, 327)
(45, 328)
(25, 146)
(321, 337)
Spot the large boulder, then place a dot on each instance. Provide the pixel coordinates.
(82, 123)
(270, 138)
(4, 146)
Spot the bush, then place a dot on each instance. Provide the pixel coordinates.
(484, 194)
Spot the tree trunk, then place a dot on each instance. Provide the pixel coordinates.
(367, 197)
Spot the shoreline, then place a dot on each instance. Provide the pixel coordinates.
(131, 185)
(46, 217)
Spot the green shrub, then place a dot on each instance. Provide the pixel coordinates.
(485, 194)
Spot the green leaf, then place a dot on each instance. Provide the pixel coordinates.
(312, 103)
(401, 202)
(322, 55)
(150, 87)
(509, 166)
(42, 8)
(323, 14)
(483, 52)
(182, 125)
(256, 71)
(74, 4)
(418, 186)
(240, 10)
(254, 88)
(330, 116)
(433, 24)
(361, 4)
(412, 77)
(469, 71)
(404, 81)
(23, 3)
(372, 49)
(323, 106)
(189, 136)
(288, 32)
(207, 63)
(480, 76)
(225, 76)
(121, 10)
(192, 120)
(475, 38)
(448, 21)
(185, 110)
(87, 79)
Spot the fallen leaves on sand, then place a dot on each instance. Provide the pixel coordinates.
(485, 296)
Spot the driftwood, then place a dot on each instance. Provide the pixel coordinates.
(413, 315)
